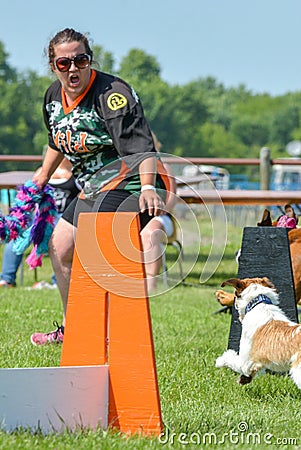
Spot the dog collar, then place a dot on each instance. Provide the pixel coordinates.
(256, 301)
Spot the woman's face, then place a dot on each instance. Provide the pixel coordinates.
(289, 212)
(74, 81)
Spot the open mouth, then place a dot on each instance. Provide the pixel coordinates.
(74, 80)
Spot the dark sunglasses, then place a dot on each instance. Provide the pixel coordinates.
(81, 61)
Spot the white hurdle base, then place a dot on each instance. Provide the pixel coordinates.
(54, 399)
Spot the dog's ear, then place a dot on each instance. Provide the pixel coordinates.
(266, 220)
(235, 282)
(267, 282)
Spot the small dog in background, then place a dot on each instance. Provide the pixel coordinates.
(294, 235)
(266, 220)
(224, 298)
(269, 340)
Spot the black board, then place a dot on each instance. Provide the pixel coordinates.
(265, 252)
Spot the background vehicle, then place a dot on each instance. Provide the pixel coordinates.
(286, 177)
(204, 177)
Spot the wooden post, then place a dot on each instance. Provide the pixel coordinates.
(265, 168)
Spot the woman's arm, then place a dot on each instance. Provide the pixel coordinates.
(149, 199)
(51, 161)
(148, 171)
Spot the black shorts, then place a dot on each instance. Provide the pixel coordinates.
(109, 201)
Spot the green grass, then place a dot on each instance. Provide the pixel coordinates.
(202, 407)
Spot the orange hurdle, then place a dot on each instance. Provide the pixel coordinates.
(108, 301)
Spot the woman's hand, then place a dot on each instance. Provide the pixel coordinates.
(51, 161)
(40, 178)
(151, 201)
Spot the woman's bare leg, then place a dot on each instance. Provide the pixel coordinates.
(61, 248)
(152, 236)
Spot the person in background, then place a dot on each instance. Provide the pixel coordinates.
(10, 265)
(65, 190)
(289, 219)
(97, 121)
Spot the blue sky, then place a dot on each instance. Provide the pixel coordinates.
(250, 42)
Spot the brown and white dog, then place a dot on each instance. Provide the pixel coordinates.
(269, 340)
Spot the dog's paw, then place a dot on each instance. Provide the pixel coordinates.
(224, 298)
(219, 363)
(244, 379)
(226, 359)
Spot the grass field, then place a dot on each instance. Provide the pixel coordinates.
(202, 407)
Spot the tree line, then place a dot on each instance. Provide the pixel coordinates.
(202, 118)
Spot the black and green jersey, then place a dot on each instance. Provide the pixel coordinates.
(103, 133)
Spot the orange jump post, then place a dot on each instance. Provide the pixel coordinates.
(108, 303)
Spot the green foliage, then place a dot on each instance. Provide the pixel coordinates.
(7, 73)
(138, 66)
(104, 60)
(250, 131)
(283, 123)
(201, 118)
(22, 129)
(215, 136)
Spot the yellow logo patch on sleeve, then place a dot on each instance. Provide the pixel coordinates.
(116, 101)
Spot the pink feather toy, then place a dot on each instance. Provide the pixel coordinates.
(30, 221)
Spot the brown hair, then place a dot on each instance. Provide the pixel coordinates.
(68, 35)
